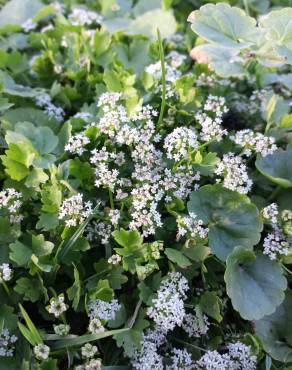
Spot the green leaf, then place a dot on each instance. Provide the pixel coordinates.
(20, 253)
(12, 88)
(277, 167)
(219, 59)
(47, 221)
(275, 331)
(224, 25)
(254, 283)
(128, 239)
(74, 291)
(231, 217)
(31, 327)
(40, 247)
(210, 304)
(70, 341)
(178, 257)
(19, 11)
(31, 288)
(7, 317)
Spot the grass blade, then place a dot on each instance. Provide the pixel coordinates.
(31, 327)
(65, 342)
(163, 79)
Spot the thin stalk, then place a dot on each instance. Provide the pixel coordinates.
(111, 199)
(246, 7)
(163, 79)
(5, 286)
(188, 344)
(135, 314)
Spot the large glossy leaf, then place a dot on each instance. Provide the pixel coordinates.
(221, 60)
(275, 331)
(277, 167)
(232, 219)
(19, 11)
(254, 283)
(279, 26)
(225, 25)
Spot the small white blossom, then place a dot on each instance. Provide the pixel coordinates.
(234, 172)
(74, 210)
(114, 215)
(255, 141)
(194, 326)
(95, 326)
(193, 226)
(179, 142)
(176, 59)
(103, 310)
(7, 343)
(57, 306)
(270, 213)
(41, 352)
(10, 201)
(88, 350)
(181, 359)
(5, 272)
(77, 143)
(94, 364)
(62, 329)
(114, 259)
(28, 25)
(81, 16)
(276, 244)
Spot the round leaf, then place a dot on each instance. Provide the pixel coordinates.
(275, 331)
(225, 25)
(254, 283)
(231, 217)
(277, 167)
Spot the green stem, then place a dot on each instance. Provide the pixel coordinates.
(246, 7)
(111, 199)
(163, 79)
(68, 186)
(274, 193)
(5, 286)
(188, 344)
(133, 318)
(286, 269)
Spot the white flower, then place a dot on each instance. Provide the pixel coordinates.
(114, 259)
(276, 244)
(195, 326)
(234, 172)
(10, 200)
(57, 306)
(5, 272)
(28, 25)
(180, 360)
(242, 356)
(77, 143)
(62, 329)
(270, 213)
(168, 308)
(255, 141)
(94, 364)
(41, 351)
(81, 16)
(95, 326)
(7, 343)
(211, 127)
(88, 350)
(176, 59)
(213, 360)
(43, 99)
(103, 310)
(114, 215)
(74, 211)
(194, 227)
(179, 142)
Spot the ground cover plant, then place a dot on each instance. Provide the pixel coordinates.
(145, 202)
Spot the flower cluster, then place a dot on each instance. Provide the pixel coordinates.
(41, 352)
(270, 213)
(82, 16)
(179, 142)
(103, 310)
(234, 173)
(7, 342)
(77, 143)
(57, 306)
(276, 243)
(192, 226)
(10, 201)
(254, 141)
(5, 272)
(167, 310)
(211, 127)
(196, 325)
(45, 101)
(74, 210)
(239, 356)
